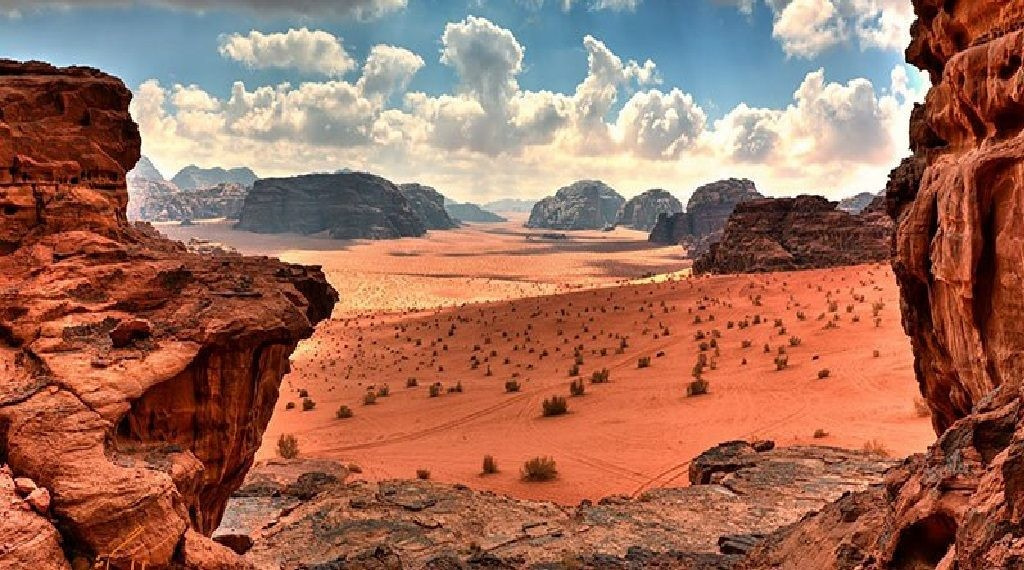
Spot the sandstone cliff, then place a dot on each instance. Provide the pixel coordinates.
(641, 212)
(785, 234)
(957, 207)
(136, 379)
(706, 214)
(428, 204)
(353, 205)
(583, 205)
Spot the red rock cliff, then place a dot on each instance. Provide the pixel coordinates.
(958, 207)
(136, 379)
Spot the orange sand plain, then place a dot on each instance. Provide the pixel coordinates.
(526, 298)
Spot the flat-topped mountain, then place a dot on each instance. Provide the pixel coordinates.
(641, 212)
(513, 205)
(467, 212)
(192, 177)
(583, 205)
(354, 205)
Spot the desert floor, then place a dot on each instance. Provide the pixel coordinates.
(483, 305)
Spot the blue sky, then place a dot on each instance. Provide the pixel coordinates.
(724, 55)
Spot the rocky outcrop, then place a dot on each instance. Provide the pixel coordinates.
(584, 205)
(162, 201)
(857, 203)
(428, 204)
(706, 214)
(957, 257)
(290, 514)
(137, 378)
(193, 178)
(145, 170)
(786, 234)
(353, 205)
(466, 212)
(641, 212)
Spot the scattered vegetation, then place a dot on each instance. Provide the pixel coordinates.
(876, 447)
(287, 446)
(539, 469)
(512, 386)
(555, 406)
(697, 387)
(490, 465)
(423, 474)
(308, 404)
(344, 412)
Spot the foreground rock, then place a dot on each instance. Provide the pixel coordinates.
(428, 204)
(641, 212)
(957, 258)
(786, 234)
(137, 378)
(297, 515)
(353, 205)
(193, 178)
(472, 213)
(584, 205)
(706, 214)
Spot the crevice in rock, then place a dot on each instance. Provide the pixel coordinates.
(923, 544)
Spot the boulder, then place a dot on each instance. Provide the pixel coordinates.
(584, 205)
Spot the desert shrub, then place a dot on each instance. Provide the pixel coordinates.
(539, 469)
(824, 373)
(308, 404)
(698, 387)
(456, 389)
(303, 393)
(512, 386)
(411, 383)
(746, 344)
(600, 376)
(555, 406)
(781, 362)
(343, 412)
(875, 447)
(643, 362)
(820, 433)
(435, 390)
(576, 388)
(384, 391)
(423, 474)
(921, 408)
(876, 353)
(369, 398)
(287, 446)
(767, 348)
(574, 370)
(794, 341)
(698, 370)
(490, 465)
(289, 406)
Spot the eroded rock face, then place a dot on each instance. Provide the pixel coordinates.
(641, 212)
(857, 203)
(957, 204)
(706, 214)
(351, 205)
(136, 379)
(193, 178)
(583, 205)
(428, 204)
(162, 201)
(785, 234)
(466, 212)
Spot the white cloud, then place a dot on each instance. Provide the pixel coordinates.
(310, 51)
(330, 9)
(660, 125)
(567, 5)
(388, 70)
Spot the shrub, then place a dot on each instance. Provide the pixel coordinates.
(576, 388)
(289, 406)
(308, 404)
(574, 370)
(698, 387)
(435, 390)
(794, 341)
(423, 474)
(512, 386)
(643, 362)
(746, 344)
(820, 433)
(457, 388)
(600, 376)
(490, 465)
(384, 391)
(539, 469)
(875, 447)
(411, 383)
(781, 362)
(824, 373)
(876, 353)
(303, 393)
(369, 398)
(344, 412)
(555, 406)
(287, 446)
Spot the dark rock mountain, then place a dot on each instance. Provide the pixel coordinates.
(583, 205)
(512, 205)
(162, 201)
(641, 212)
(857, 203)
(355, 205)
(784, 234)
(466, 212)
(192, 177)
(428, 204)
(706, 214)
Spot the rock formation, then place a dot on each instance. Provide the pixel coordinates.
(162, 201)
(136, 379)
(512, 205)
(353, 205)
(785, 234)
(192, 177)
(957, 204)
(857, 203)
(145, 170)
(584, 205)
(641, 212)
(428, 204)
(706, 213)
(466, 212)
(290, 514)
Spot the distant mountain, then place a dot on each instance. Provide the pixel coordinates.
(510, 205)
(192, 177)
(471, 213)
(583, 205)
(855, 204)
(145, 170)
(428, 204)
(641, 212)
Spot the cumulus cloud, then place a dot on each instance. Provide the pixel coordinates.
(388, 70)
(333, 9)
(310, 51)
(567, 5)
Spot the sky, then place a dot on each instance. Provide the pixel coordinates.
(486, 99)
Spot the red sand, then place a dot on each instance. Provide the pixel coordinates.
(634, 433)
